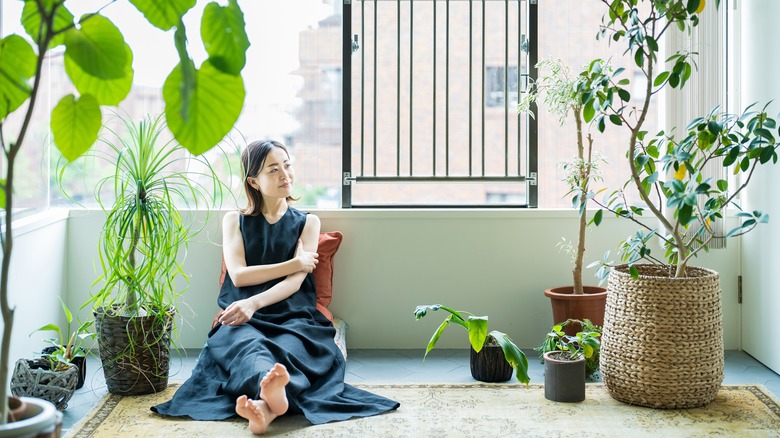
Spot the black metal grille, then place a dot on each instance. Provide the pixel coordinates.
(430, 92)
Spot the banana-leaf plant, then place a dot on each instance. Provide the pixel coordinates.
(666, 169)
(477, 328)
(202, 102)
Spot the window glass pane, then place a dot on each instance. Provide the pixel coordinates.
(567, 31)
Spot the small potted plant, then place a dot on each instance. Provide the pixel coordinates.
(494, 356)
(60, 371)
(565, 359)
(558, 340)
(562, 92)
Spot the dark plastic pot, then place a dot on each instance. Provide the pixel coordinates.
(489, 365)
(564, 380)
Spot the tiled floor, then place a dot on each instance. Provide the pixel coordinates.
(387, 366)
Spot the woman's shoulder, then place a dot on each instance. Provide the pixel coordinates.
(230, 218)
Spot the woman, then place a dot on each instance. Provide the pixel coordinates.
(272, 350)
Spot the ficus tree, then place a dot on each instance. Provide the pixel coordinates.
(666, 168)
(202, 103)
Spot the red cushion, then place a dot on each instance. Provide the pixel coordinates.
(329, 243)
(323, 274)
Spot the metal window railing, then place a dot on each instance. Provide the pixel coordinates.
(430, 92)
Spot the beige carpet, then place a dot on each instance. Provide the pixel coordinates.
(466, 410)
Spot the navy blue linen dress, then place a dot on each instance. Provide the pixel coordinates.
(292, 332)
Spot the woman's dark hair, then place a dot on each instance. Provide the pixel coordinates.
(253, 159)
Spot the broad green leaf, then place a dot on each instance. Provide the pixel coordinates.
(723, 185)
(478, 326)
(436, 336)
(598, 216)
(215, 104)
(107, 91)
(224, 36)
(660, 79)
(163, 14)
(75, 125)
(98, 47)
(513, 355)
(17, 66)
(588, 112)
(31, 20)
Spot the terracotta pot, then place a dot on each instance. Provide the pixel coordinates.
(566, 305)
(564, 380)
(489, 365)
(40, 419)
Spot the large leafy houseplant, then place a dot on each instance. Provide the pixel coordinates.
(666, 169)
(99, 64)
(479, 337)
(144, 241)
(558, 88)
(667, 175)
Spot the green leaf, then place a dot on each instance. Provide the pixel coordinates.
(588, 112)
(75, 125)
(436, 336)
(478, 329)
(633, 271)
(17, 66)
(224, 35)
(615, 119)
(597, 217)
(107, 91)
(660, 79)
(163, 14)
(723, 185)
(98, 47)
(625, 96)
(513, 355)
(31, 21)
(215, 104)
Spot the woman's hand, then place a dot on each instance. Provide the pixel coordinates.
(237, 313)
(308, 260)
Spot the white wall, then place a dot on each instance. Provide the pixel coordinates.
(759, 83)
(491, 262)
(36, 280)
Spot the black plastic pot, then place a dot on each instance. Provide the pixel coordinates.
(80, 362)
(489, 365)
(564, 379)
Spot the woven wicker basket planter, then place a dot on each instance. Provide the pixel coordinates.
(662, 344)
(134, 351)
(33, 378)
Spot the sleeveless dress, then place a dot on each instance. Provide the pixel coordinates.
(292, 332)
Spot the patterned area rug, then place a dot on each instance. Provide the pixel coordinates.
(466, 410)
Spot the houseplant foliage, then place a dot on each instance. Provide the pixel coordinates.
(99, 64)
(477, 327)
(661, 296)
(143, 243)
(68, 345)
(666, 168)
(585, 343)
(561, 91)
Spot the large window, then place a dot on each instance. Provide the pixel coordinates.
(295, 81)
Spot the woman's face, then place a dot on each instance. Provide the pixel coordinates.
(276, 176)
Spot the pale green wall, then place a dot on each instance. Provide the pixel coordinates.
(492, 262)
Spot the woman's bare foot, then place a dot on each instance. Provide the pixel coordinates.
(257, 412)
(272, 389)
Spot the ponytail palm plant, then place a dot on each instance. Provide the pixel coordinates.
(145, 235)
(142, 246)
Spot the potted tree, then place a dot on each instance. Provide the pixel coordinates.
(565, 360)
(561, 91)
(142, 246)
(101, 71)
(665, 293)
(494, 356)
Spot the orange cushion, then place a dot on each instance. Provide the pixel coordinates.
(329, 243)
